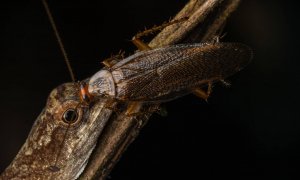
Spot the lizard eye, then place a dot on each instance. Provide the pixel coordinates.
(70, 116)
(68, 113)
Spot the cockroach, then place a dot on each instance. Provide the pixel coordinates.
(167, 73)
(151, 75)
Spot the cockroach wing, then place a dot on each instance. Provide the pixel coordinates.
(166, 73)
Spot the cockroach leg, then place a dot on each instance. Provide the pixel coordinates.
(111, 105)
(215, 39)
(162, 111)
(226, 83)
(133, 108)
(202, 93)
(136, 40)
(140, 44)
(109, 62)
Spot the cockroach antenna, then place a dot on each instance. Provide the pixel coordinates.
(59, 40)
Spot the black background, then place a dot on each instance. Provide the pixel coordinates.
(250, 130)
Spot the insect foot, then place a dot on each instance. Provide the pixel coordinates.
(202, 93)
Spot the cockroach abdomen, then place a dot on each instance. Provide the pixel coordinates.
(167, 73)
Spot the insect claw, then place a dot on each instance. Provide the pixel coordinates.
(223, 35)
(225, 83)
(215, 39)
(113, 59)
(113, 108)
(133, 109)
(162, 111)
(203, 94)
(206, 100)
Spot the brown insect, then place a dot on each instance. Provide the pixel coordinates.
(150, 75)
(166, 73)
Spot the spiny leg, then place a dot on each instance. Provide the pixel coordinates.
(218, 35)
(225, 83)
(136, 40)
(109, 62)
(140, 44)
(216, 39)
(111, 105)
(202, 93)
(133, 108)
(162, 111)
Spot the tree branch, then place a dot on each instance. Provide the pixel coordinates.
(206, 20)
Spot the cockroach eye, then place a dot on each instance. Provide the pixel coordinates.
(70, 116)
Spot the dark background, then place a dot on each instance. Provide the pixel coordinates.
(250, 130)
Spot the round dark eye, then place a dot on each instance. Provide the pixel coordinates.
(70, 116)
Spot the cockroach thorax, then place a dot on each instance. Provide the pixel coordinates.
(102, 83)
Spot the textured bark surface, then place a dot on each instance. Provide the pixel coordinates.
(206, 20)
